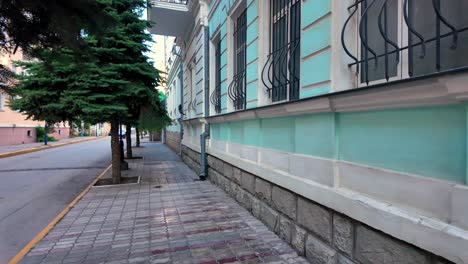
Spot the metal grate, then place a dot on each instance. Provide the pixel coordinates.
(436, 40)
(181, 2)
(215, 97)
(281, 72)
(237, 88)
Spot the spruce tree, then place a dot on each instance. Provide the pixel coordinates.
(109, 82)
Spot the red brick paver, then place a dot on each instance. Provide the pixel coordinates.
(168, 218)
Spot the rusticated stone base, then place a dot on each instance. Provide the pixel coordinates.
(319, 233)
(173, 140)
(191, 158)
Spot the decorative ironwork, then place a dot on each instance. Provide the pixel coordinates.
(237, 88)
(215, 97)
(281, 72)
(236, 91)
(437, 37)
(181, 2)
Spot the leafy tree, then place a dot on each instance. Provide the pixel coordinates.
(28, 24)
(110, 82)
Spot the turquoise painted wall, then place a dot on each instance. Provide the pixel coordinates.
(425, 141)
(218, 25)
(252, 53)
(315, 48)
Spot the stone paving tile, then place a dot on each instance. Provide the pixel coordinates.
(168, 218)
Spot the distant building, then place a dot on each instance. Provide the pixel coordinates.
(340, 124)
(14, 127)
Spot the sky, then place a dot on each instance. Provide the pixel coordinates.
(160, 49)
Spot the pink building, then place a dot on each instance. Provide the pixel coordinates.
(14, 128)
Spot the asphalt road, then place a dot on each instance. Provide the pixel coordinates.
(35, 187)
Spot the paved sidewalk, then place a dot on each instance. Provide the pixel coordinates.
(19, 147)
(168, 218)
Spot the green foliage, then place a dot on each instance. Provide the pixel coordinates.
(39, 134)
(29, 23)
(111, 81)
(49, 139)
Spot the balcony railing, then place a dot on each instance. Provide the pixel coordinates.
(181, 2)
(281, 71)
(400, 39)
(215, 99)
(237, 91)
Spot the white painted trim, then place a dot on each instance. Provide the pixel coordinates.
(426, 232)
(442, 90)
(17, 126)
(263, 49)
(342, 77)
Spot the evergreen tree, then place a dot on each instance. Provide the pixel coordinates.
(110, 82)
(28, 24)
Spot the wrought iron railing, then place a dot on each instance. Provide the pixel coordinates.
(215, 99)
(280, 73)
(400, 39)
(237, 88)
(182, 2)
(237, 91)
(216, 94)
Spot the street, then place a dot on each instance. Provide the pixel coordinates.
(36, 187)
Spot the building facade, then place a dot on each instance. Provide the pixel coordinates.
(340, 124)
(14, 127)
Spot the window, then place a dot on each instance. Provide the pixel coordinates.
(2, 101)
(192, 104)
(403, 39)
(281, 71)
(29, 133)
(237, 88)
(215, 97)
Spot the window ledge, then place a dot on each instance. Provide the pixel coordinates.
(434, 90)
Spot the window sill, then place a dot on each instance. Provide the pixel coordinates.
(444, 88)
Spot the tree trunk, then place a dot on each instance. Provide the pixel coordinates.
(137, 131)
(128, 138)
(115, 148)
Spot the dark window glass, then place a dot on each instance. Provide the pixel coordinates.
(440, 53)
(285, 49)
(378, 30)
(237, 89)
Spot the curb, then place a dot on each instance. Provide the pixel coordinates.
(30, 150)
(20, 255)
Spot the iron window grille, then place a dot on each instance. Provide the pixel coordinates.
(192, 105)
(238, 86)
(281, 72)
(407, 38)
(181, 2)
(215, 97)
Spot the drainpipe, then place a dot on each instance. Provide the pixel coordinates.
(206, 133)
(181, 105)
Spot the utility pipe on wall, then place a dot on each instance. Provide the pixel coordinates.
(206, 133)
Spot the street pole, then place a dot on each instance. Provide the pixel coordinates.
(45, 133)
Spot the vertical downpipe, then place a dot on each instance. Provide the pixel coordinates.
(206, 133)
(181, 105)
